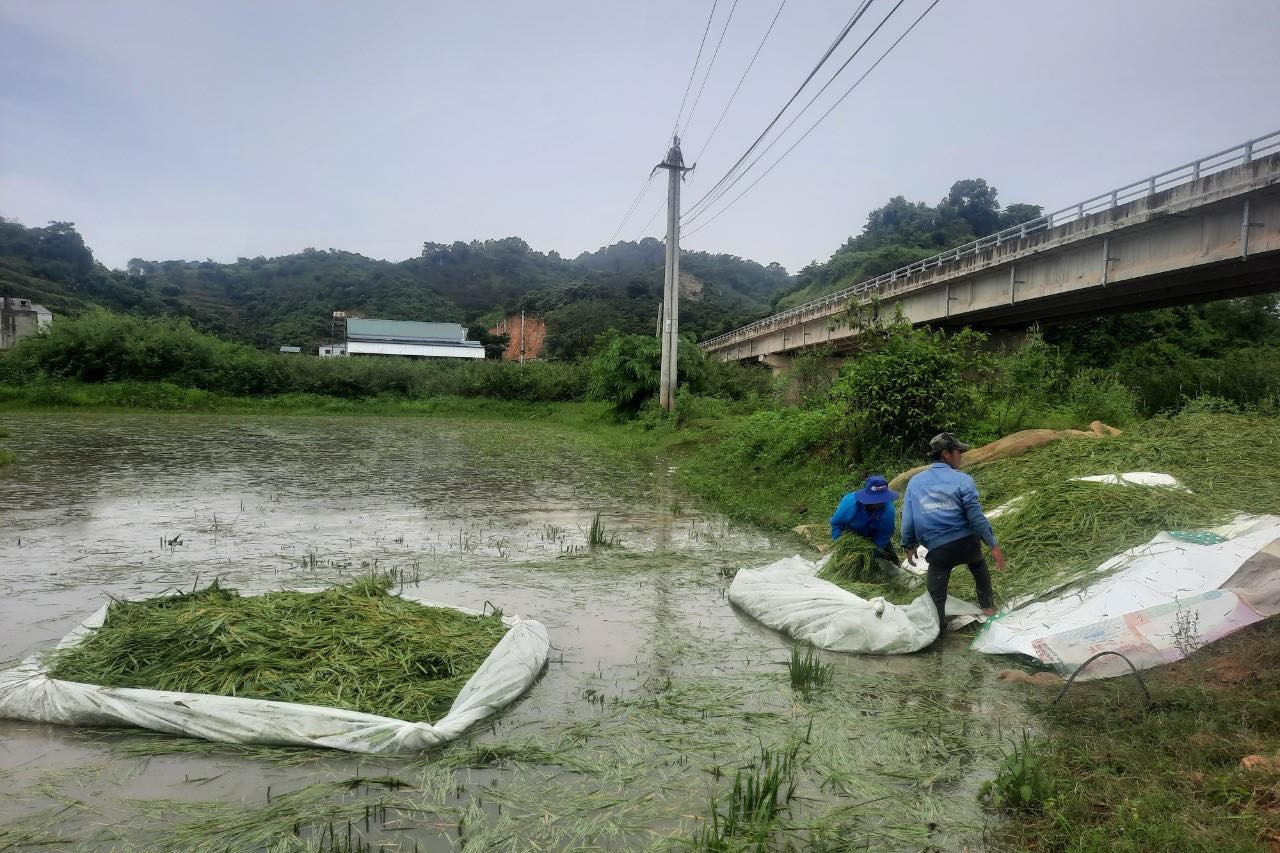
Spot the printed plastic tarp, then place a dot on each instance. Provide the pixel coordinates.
(1153, 603)
(28, 693)
(786, 596)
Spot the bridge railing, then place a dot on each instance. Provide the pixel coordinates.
(1219, 161)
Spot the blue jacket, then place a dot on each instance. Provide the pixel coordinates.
(941, 506)
(851, 516)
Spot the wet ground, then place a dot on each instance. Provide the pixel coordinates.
(658, 693)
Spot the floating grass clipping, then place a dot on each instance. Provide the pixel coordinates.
(354, 646)
(760, 794)
(808, 672)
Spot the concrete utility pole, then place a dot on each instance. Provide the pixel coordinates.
(522, 336)
(668, 380)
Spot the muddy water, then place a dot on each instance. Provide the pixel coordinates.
(658, 691)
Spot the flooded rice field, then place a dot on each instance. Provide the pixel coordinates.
(658, 692)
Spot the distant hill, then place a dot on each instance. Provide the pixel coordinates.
(902, 232)
(289, 300)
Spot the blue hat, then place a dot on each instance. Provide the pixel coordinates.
(876, 491)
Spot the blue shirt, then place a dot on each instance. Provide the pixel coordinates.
(851, 516)
(941, 506)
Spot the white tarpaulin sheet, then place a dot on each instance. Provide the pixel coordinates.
(27, 693)
(787, 597)
(1152, 602)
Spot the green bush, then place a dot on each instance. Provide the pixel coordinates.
(1097, 395)
(625, 370)
(905, 386)
(1023, 385)
(1209, 404)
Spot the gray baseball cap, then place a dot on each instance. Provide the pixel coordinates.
(947, 441)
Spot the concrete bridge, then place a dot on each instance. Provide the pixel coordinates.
(1209, 229)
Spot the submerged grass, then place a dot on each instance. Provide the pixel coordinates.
(354, 646)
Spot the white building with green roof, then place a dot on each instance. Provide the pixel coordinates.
(407, 338)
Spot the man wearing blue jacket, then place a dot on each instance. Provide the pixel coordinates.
(869, 513)
(941, 512)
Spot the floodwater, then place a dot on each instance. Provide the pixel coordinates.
(658, 691)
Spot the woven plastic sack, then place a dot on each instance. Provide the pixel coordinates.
(786, 596)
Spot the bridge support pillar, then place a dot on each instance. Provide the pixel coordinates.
(778, 362)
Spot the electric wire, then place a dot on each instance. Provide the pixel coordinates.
(693, 215)
(741, 80)
(711, 64)
(857, 15)
(814, 126)
(694, 70)
(631, 210)
(692, 73)
(645, 230)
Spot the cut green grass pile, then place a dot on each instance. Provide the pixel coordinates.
(853, 567)
(1062, 532)
(355, 646)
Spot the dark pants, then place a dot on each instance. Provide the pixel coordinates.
(944, 558)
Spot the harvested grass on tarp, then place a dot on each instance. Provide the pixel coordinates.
(1060, 533)
(355, 646)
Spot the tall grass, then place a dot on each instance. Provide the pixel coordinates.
(761, 793)
(808, 672)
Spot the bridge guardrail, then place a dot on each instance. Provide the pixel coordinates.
(1219, 161)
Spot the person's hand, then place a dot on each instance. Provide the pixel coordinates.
(997, 554)
(911, 556)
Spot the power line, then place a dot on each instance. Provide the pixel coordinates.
(729, 186)
(644, 231)
(692, 73)
(693, 109)
(631, 210)
(741, 80)
(857, 15)
(822, 117)
(694, 69)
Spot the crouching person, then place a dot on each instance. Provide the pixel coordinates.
(869, 513)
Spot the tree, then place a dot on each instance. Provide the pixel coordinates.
(1016, 214)
(974, 202)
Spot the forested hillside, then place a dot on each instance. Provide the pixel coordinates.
(904, 231)
(288, 300)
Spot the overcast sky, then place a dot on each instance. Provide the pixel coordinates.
(174, 129)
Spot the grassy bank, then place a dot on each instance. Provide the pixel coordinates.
(1114, 777)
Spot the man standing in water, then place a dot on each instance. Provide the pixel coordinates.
(941, 511)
